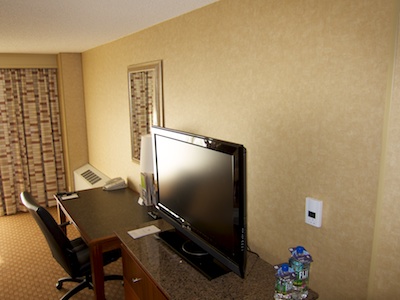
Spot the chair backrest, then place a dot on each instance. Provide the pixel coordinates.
(60, 245)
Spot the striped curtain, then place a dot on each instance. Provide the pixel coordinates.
(142, 101)
(31, 156)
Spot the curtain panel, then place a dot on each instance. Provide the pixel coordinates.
(31, 155)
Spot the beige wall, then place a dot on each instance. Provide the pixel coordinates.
(10, 60)
(73, 111)
(385, 270)
(303, 85)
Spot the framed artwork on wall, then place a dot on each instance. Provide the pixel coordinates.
(145, 101)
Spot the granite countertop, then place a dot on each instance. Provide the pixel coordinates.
(181, 281)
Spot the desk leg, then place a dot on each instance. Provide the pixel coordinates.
(62, 218)
(96, 258)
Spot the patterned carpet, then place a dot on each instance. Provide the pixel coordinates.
(27, 269)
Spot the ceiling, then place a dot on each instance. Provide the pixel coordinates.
(57, 26)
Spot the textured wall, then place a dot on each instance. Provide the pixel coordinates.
(302, 84)
(385, 270)
(74, 116)
(10, 60)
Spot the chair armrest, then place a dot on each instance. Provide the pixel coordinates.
(78, 245)
(78, 248)
(65, 224)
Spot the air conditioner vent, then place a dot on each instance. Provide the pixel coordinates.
(88, 177)
(91, 177)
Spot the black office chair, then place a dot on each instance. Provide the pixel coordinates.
(72, 255)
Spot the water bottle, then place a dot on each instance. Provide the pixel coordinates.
(300, 261)
(284, 278)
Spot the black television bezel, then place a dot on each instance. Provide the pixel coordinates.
(238, 151)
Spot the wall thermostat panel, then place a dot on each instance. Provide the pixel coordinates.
(314, 212)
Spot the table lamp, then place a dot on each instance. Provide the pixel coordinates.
(147, 174)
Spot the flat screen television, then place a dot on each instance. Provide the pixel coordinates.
(201, 186)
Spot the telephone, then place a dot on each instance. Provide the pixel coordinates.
(114, 184)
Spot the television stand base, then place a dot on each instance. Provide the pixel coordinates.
(205, 264)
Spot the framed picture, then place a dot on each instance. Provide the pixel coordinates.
(145, 101)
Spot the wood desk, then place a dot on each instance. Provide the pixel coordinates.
(97, 214)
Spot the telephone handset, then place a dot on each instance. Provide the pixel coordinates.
(114, 184)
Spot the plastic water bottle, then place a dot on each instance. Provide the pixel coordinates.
(300, 261)
(284, 278)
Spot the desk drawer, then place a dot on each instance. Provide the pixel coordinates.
(138, 285)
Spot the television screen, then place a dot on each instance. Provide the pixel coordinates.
(201, 192)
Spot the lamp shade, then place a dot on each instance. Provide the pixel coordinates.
(146, 154)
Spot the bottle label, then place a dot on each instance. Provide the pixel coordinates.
(302, 274)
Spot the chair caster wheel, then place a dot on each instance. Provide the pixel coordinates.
(59, 285)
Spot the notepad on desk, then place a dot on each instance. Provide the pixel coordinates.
(140, 232)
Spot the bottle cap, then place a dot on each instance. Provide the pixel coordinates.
(299, 249)
(285, 267)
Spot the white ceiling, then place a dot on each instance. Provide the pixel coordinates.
(56, 26)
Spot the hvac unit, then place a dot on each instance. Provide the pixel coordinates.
(87, 177)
